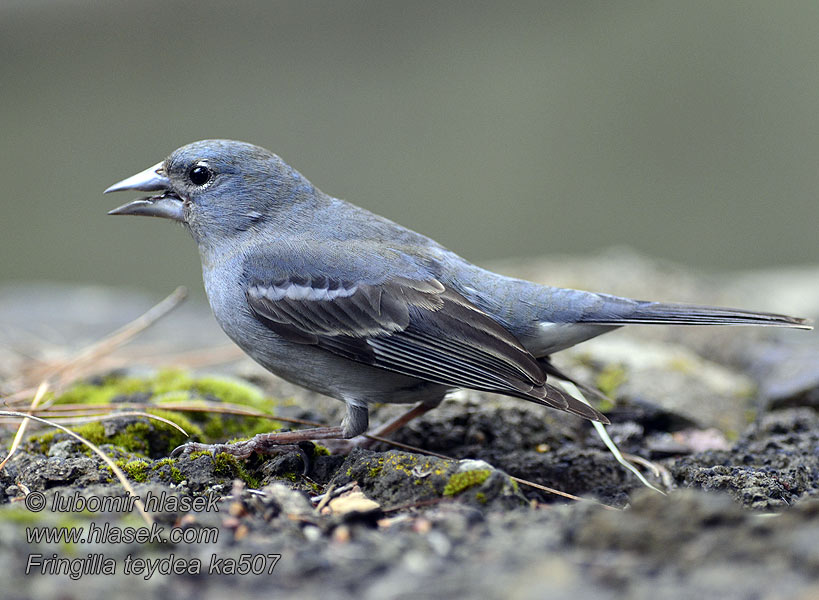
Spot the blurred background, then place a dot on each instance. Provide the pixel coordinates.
(685, 130)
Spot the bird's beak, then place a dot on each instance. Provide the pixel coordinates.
(166, 205)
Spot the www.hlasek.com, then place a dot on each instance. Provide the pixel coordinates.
(106, 533)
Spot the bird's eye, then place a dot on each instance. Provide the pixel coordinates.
(200, 175)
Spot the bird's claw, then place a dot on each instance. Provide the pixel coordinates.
(259, 444)
(342, 447)
(191, 447)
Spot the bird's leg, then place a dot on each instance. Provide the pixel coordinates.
(280, 442)
(390, 427)
(277, 442)
(340, 440)
(343, 446)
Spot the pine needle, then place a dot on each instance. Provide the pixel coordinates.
(603, 434)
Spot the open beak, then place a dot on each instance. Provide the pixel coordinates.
(166, 204)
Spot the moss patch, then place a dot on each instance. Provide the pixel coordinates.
(138, 436)
(319, 450)
(153, 438)
(610, 379)
(167, 469)
(135, 469)
(227, 465)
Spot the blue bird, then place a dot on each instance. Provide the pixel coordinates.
(349, 304)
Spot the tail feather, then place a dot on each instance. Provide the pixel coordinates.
(661, 313)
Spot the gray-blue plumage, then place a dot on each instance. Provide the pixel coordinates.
(354, 306)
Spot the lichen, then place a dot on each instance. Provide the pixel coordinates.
(375, 470)
(463, 480)
(401, 462)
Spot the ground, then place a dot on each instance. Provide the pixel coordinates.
(728, 417)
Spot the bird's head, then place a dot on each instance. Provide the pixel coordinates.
(217, 188)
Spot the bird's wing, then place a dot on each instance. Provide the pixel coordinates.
(414, 327)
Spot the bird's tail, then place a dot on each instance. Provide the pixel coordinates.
(661, 313)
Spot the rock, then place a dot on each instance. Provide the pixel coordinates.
(772, 466)
(287, 500)
(397, 478)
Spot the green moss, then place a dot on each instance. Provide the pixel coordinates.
(610, 379)
(217, 427)
(177, 438)
(167, 387)
(135, 469)
(93, 432)
(103, 392)
(40, 442)
(236, 440)
(227, 465)
(227, 426)
(480, 497)
(319, 450)
(463, 480)
(133, 438)
(584, 359)
(173, 473)
(682, 365)
(20, 516)
(231, 391)
(140, 437)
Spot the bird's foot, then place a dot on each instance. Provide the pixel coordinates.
(269, 444)
(272, 444)
(342, 447)
(243, 449)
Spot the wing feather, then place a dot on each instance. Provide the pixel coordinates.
(418, 328)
